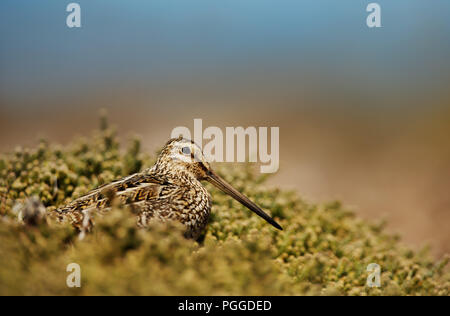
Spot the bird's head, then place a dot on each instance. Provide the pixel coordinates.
(182, 155)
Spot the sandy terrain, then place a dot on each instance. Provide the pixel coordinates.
(382, 165)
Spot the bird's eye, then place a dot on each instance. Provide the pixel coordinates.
(186, 150)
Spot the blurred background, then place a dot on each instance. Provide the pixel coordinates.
(364, 114)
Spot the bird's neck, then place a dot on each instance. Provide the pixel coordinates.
(172, 173)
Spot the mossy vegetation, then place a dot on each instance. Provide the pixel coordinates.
(324, 248)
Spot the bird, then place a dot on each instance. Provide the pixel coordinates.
(31, 213)
(171, 190)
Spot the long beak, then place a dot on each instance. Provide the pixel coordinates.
(220, 183)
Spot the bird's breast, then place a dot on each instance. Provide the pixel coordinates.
(197, 211)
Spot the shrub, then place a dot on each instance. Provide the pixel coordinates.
(324, 248)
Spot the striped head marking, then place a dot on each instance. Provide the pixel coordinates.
(181, 154)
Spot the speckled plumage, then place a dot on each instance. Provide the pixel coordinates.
(170, 190)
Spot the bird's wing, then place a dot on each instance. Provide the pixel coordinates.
(130, 190)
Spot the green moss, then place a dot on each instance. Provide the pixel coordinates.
(324, 249)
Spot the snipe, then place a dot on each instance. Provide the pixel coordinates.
(170, 190)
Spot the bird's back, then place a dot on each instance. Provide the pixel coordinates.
(152, 196)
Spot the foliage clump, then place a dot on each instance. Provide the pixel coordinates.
(323, 250)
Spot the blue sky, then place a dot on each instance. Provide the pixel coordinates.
(281, 43)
